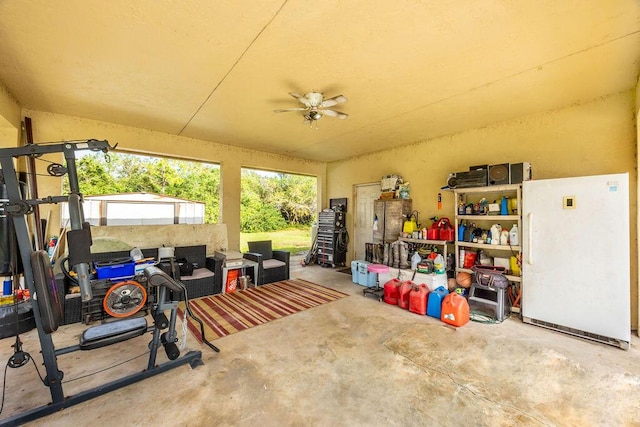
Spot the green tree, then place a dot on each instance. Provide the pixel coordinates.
(296, 198)
(257, 211)
(293, 197)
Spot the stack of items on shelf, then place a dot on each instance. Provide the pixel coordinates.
(393, 187)
(441, 229)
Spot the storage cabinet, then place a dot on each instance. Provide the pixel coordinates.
(483, 217)
(390, 215)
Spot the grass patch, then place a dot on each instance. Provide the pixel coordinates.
(294, 240)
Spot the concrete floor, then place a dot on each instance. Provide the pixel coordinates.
(353, 362)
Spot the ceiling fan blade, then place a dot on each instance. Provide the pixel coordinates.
(336, 114)
(295, 95)
(330, 102)
(289, 109)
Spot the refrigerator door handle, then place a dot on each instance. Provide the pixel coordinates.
(530, 242)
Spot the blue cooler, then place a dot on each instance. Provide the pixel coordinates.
(434, 304)
(365, 277)
(354, 271)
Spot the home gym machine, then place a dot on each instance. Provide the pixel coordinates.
(38, 276)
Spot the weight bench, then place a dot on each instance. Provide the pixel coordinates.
(47, 307)
(111, 333)
(49, 316)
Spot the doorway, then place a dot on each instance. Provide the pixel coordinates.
(365, 194)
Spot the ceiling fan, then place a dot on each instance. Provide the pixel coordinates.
(316, 106)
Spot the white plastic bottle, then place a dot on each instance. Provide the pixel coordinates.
(496, 229)
(438, 264)
(513, 235)
(415, 260)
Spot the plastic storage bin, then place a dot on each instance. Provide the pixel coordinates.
(116, 269)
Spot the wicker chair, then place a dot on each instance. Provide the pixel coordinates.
(273, 266)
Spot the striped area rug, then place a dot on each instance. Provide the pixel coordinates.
(225, 314)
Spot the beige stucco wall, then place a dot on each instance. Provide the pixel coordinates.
(9, 119)
(637, 117)
(594, 138)
(55, 127)
(214, 236)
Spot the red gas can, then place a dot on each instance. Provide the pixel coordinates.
(418, 299)
(455, 310)
(391, 291)
(447, 234)
(403, 293)
(433, 233)
(445, 230)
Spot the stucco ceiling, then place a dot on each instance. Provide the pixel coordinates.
(412, 70)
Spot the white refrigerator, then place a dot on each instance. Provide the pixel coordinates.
(576, 259)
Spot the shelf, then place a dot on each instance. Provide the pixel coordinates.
(509, 277)
(489, 189)
(489, 246)
(488, 217)
(425, 241)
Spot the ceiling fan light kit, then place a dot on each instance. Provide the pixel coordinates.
(316, 106)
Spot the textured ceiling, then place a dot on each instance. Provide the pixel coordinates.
(412, 70)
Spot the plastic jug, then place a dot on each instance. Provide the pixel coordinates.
(461, 229)
(504, 206)
(404, 293)
(438, 264)
(513, 235)
(496, 229)
(391, 291)
(418, 299)
(415, 260)
(455, 310)
(434, 304)
(513, 266)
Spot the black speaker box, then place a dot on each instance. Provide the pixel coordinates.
(520, 172)
(499, 174)
(472, 178)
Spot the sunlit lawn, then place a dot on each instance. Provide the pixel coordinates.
(293, 240)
